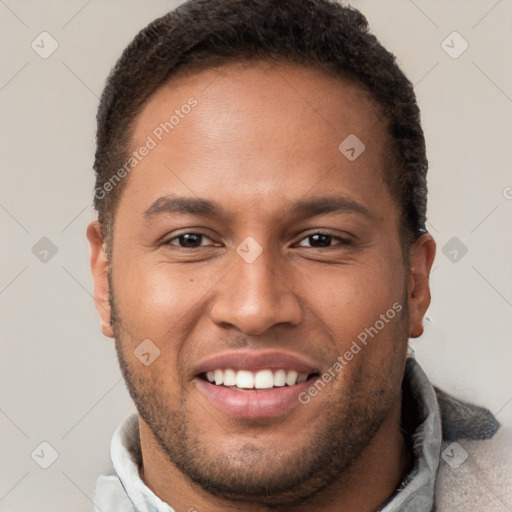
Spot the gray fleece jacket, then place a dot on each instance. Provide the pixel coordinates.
(462, 459)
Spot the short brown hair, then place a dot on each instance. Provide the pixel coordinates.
(202, 33)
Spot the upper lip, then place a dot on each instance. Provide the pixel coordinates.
(257, 360)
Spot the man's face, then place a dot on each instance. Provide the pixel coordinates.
(322, 264)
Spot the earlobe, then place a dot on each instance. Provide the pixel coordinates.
(99, 269)
(418, 288)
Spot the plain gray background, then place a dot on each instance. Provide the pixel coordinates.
(60, 383)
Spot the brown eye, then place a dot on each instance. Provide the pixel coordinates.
(188, 240)
(321, 240)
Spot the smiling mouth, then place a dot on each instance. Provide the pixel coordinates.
(246, 380)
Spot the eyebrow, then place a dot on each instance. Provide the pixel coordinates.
(323, 205)
(304, 207)
(190, 205)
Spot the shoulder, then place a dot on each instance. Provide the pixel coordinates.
(475, 468)
(476, 474)
(109, 493)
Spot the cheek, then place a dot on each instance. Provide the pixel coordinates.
(361, 290)
(349, 302)
(156, 298)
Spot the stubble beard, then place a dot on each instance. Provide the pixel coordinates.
(276, 481)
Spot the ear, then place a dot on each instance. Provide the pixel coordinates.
(99, 268)
(421, 258)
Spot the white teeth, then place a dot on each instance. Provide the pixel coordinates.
(302, 378)
(280, 378)
(263, 379)
(245, 379)
(291, 377)
(219, 377)
(229, 377)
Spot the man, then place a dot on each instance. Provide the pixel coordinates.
(261, 259)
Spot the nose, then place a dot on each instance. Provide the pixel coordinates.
(254, 297)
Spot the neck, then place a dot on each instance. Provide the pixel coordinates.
(364, 487)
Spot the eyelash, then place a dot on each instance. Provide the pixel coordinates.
(341, 241)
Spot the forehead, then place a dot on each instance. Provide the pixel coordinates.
(337, 102)
(259, 130)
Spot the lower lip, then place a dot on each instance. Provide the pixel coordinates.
(252, 404)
